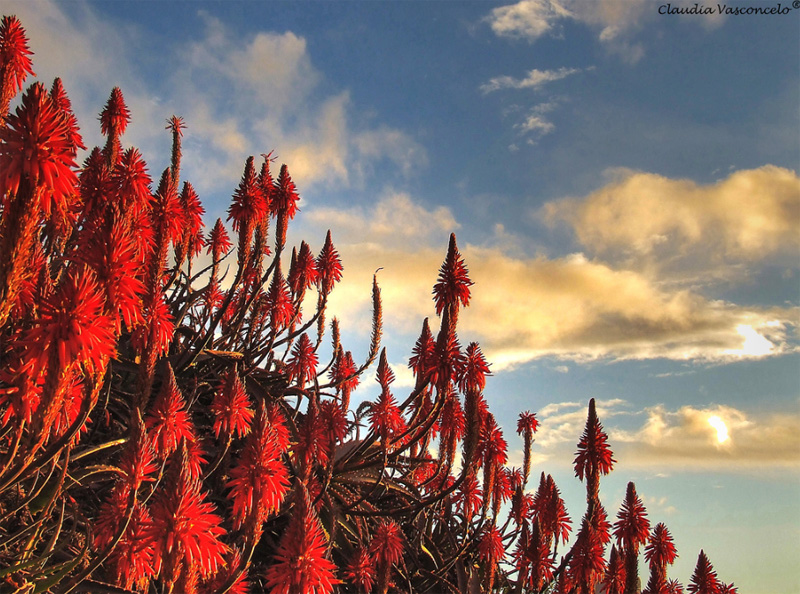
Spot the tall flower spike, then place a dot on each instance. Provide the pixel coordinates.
(60, 100)
(704, 579)
(303, 272)
(387, 549)
(73, 325)
(133, 182)
(329, 266)
(659, 553)
(631, 531)
(15, 61)
(247, 209)
(35, 146)
(259, 479)
(526, 426)
(279, 302)
(302, 365)
(452, 288)
(491, 551)
(301, 561)
(168, 421)
(176, 125)
(113, 121)
(193, 212)
(594, 456)
(185, 527)
(361, 570)
(283, 205)
(614, 580)
(231, 407)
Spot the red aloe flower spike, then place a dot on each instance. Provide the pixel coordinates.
(343, 376)
(283, 205)
(491, 552)
(113, 256)
(469, 498)
(218, 241)
(73, 326)
(138, 459)
(385, 417)
(527, 424)
(660, 551)
(539, 559)
(614, 580)
(452, 424)
(36, 172)
(279, 302)
(302, 365)
(176, 125)
(60, 100)
(36, 147)
(631, 530)
(704, 579)
(423, 358)
(494, 456)
(587, 565)
(329, 266)
(450, 361)
(231, 407)
(728, 589)
(185, 527)
(134, 557)
(473, 375)
(301, 561)
(387, 549)
(594, 457)
(168, 421)
(133, 183)
(548, 508)
(632, 527)
(452, 289)
(384, 374)
(303, 272)
(15, 62)
(113, 121)
(361, 570)
(259, 479)
(247, 209)
(193, 223)
(502, 490)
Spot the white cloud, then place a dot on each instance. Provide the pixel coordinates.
(536, 124)
(614, 21)
(535, 79)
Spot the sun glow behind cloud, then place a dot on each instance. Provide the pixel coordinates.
(720, 427)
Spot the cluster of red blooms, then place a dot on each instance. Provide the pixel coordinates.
(171, 431)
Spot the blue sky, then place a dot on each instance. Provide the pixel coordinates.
(623, 185)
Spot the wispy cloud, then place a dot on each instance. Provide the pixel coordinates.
(535, 79)
(239, 96)
(614, 20)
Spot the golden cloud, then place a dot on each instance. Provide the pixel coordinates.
(525, 308)
(689, 438)
(750, 215)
